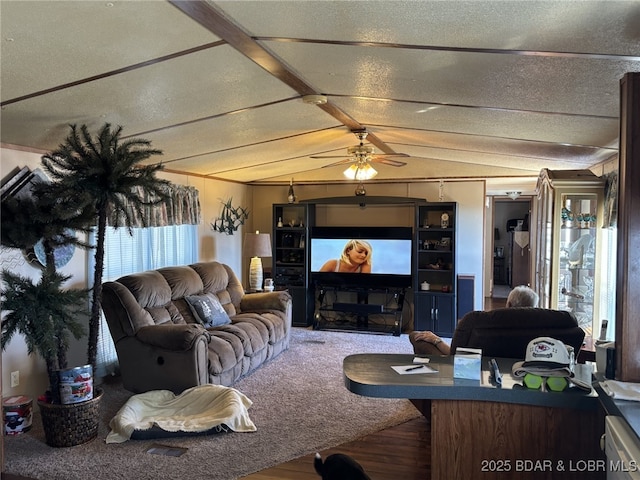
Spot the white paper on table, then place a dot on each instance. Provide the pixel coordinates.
(421, 360)
(411, 369)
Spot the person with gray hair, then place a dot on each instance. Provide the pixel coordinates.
(522, 296)
(428, 343)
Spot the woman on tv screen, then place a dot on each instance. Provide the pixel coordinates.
(355, 258)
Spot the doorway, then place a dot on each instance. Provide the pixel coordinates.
(510, 245)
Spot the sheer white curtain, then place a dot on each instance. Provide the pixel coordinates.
(136, 251)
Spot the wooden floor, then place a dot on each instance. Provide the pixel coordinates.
(403, 452)
(493, 303)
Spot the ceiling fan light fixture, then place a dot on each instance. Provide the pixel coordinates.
(363, 151)
(513, 195)
(360, 172)
(314, 99)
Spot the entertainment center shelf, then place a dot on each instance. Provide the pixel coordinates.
(435, 296)
(290, 256)
(332, 294)
(349, 308)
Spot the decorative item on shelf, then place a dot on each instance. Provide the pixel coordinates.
(230, 219)
(439, 265)
(287, 240)
(256, 245)
(566, 217)
(295, 257)
(280, 224)
(425, 286)
(444, 220)
(291, 197)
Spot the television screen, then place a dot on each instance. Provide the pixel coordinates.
(366, 256)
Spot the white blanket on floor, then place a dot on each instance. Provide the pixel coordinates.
(197, 409)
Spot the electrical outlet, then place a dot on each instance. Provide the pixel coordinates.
(15, 378)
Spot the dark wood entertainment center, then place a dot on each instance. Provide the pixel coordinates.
(377, 308)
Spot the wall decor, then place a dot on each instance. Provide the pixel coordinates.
(230, 219)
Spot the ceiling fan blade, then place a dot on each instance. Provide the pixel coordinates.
(401, 155)
(341, 162)
(389, 161)
(374, 157)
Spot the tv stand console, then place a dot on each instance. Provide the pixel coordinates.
(372, 309)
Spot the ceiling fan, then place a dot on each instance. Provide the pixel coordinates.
(363, 155)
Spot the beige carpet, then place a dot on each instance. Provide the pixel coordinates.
(300, 406)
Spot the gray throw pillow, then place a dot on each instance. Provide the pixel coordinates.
(208, 310)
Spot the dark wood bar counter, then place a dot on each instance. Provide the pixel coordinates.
(481, 431)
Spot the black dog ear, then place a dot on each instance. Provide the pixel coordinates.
(339, 466)
(318, 465)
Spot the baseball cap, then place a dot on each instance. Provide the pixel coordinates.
(547, 357)
(544, 356)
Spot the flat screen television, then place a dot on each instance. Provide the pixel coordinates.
(388, 263)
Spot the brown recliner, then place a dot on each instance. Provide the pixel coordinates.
(506, 332)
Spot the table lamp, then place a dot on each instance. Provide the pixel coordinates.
(256, 245)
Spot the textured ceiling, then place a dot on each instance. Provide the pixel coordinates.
(473, 89)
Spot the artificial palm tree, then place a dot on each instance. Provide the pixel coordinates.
(46, 314)
(103, 173)
(43, 311)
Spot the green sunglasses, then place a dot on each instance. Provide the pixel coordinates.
(536, 382)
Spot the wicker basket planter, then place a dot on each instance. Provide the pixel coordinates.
(73, 424)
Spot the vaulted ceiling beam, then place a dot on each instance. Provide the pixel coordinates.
(217, 23)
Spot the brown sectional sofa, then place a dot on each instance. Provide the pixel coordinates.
(162, 345)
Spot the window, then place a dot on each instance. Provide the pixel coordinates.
(608, 283)
(148, 249)
(134, 251)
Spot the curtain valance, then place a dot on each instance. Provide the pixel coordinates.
(182, 207)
